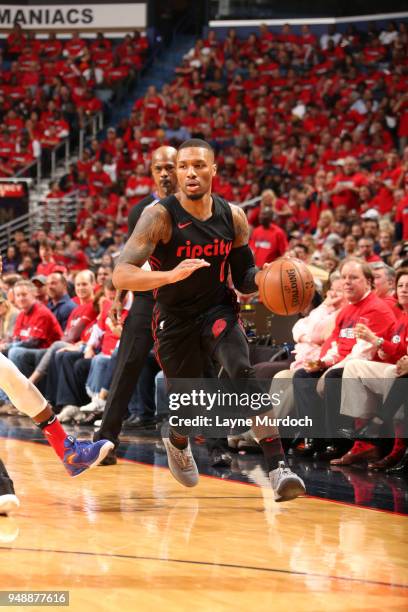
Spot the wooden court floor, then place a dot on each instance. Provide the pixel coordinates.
(129, 537)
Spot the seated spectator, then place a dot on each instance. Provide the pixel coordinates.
(26, 268)
(67, 367)
(345, 185)
(384, 282)
(139, 184)
(77, 328)
(385, 244)
(40, 283)
(366, 250)
(8, 316)
(47, 263)
(35, 328)
(103, 274)
(94, 251)
(341, 345)
(74, 258)
(115, 249)
(7, 282)
(11, 260)
(105, 339)
(59, 301)
(372, 378)
(268, 241)
(309, 334)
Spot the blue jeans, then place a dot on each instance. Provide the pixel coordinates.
(97, 374)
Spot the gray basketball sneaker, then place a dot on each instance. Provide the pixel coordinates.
(285, 484)
(181, 462)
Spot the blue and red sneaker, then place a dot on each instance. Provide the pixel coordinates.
(80, 455)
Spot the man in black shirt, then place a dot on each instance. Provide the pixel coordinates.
(191, 240)
(136, 339)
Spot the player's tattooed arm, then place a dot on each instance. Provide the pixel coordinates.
(154, 226)
(241, 260)
(241, 227)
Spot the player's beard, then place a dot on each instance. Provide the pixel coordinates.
(196, 196)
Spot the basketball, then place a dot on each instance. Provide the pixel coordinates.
(286, 287)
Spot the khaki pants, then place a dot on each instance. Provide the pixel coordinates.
(282, 385)
(364, 382)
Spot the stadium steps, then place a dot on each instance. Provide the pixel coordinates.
(158, 74)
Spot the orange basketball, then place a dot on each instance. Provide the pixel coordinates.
(286, 287)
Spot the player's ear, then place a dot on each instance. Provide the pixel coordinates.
(214, 169)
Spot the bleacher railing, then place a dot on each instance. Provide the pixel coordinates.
(56, 211)
(62, 151)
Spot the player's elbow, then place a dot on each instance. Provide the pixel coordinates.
(118, 277)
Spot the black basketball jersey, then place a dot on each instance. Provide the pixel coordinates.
(192, 238)
(137, 209)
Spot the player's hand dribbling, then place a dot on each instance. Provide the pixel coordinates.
(185, 268)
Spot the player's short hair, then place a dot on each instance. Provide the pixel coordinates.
(196, 143)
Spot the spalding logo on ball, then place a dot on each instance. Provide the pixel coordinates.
(287, 286)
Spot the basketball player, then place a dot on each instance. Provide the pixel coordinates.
(196, 313)
(136, 340)
(77, 456)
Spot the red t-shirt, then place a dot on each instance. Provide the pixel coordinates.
(372, 258)
(80, 321)
(47, 268)
(397, 347)
(40, 323)
(345, 195)
(268, 244)
(79, 261)
(381, 320)
(391, 300)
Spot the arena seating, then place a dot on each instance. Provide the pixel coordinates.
(293, 113)
(49, 87)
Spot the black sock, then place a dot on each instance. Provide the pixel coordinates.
(3, 471)
(273, 452)
(49, 421)
(178, 440)
(6, 484)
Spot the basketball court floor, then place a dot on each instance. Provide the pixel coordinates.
(129, 537)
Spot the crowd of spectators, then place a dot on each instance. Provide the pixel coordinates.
(316, 127)
(49, 87)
